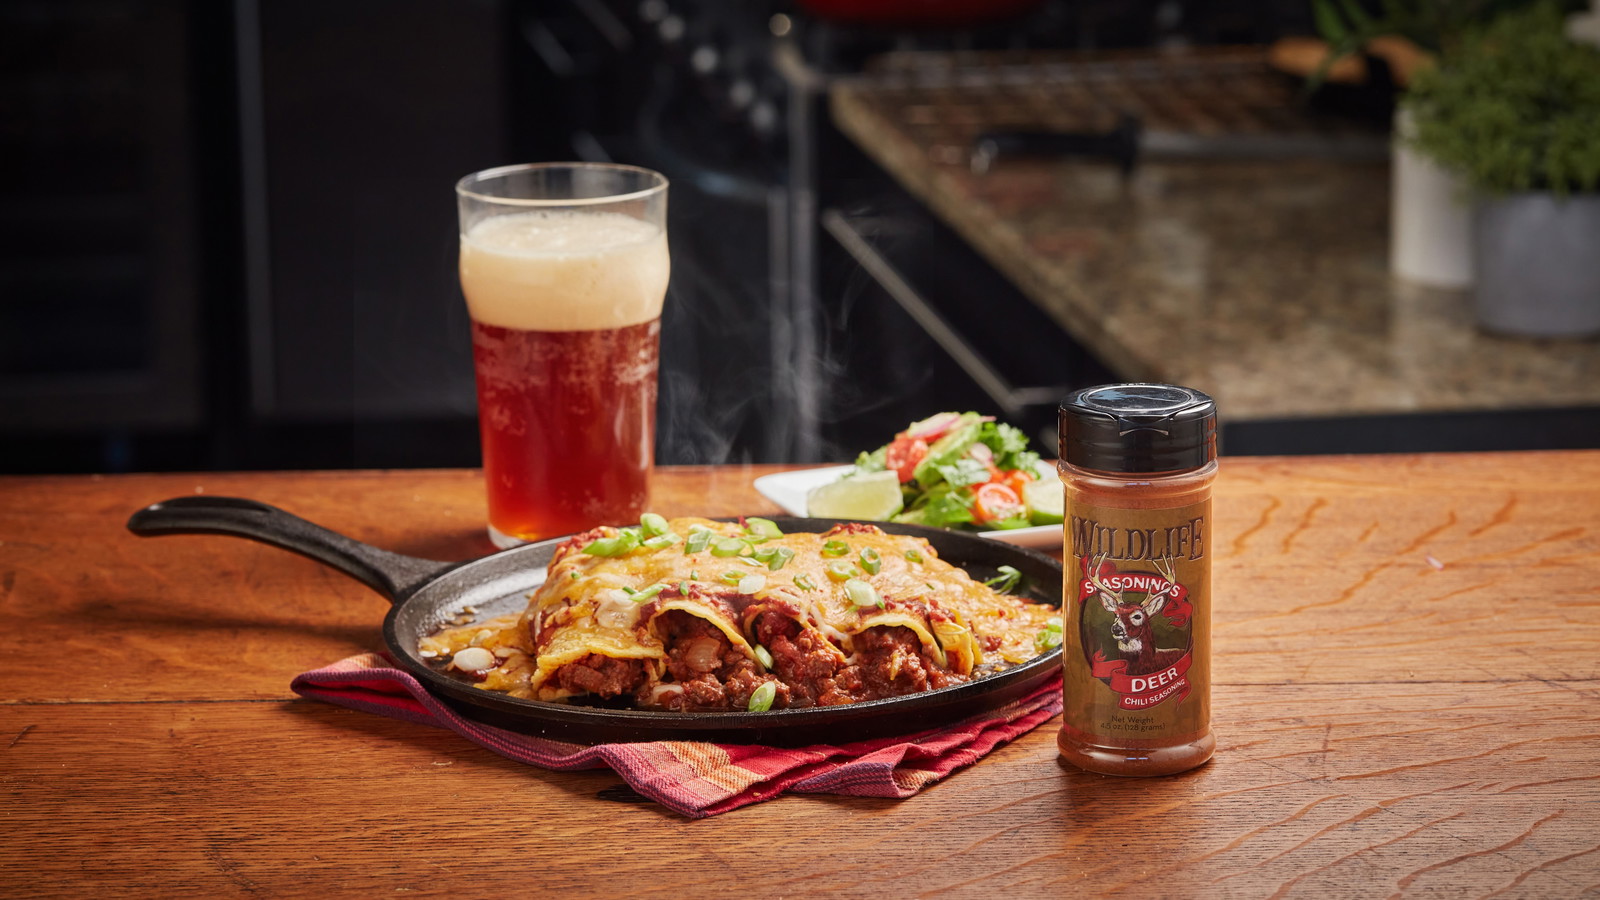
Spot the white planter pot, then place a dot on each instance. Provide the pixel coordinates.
(1539, 265)
(1430, 220)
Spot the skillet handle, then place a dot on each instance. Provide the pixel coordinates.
(393, 575)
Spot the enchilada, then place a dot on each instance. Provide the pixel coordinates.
(699, 615)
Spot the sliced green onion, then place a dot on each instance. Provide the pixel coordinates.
(624, 542)
(762, 529)
(1053, 624)
(871, 561)
(683, 588)
(914, 555)
(698, 540)
(761, 700)
(1047, 639)
(773, 558)
(862, 593)
(841, 570)
(653, 524)
(647, 593)
(732, 576)
(835, 548)
(764, 656)
(804, 583)
(694, 574)
(1006, 580)
(728, 547)
(752, 583)
(662, 541)
(573, 574)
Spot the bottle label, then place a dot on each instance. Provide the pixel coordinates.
(1137, 648)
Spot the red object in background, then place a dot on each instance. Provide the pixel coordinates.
(903, 455)
(994, 501)
(1016, 479)
(917, 13)
(552, 407)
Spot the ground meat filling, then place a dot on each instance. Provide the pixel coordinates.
(806, 662)
(888, 662)
(891, 663)
(601, 675)
(709, 672)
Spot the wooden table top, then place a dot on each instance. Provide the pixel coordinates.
(1407, 702)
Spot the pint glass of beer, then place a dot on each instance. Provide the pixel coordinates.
(564, 267)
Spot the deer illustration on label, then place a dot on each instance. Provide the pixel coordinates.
(1141, 647)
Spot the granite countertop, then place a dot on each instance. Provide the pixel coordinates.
(1262, 282)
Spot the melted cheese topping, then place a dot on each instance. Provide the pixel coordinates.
(583, 606)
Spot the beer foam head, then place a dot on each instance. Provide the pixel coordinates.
(564, 270)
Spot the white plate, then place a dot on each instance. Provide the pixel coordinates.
(789, 489)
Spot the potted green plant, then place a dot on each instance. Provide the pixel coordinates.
(1515, 111)
(1430, 221)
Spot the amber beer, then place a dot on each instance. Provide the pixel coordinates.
(565, 303)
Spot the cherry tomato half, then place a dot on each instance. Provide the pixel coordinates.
(1016, 479)
(903, 455)
(992, 502)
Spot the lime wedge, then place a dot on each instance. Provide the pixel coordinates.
(874, 496)
(1045, 500)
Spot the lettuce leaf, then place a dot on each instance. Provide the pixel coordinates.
(1010, 446)
(941, 507)
(872, 462)
(964, 472)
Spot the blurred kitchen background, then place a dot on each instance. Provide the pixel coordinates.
(229, 228)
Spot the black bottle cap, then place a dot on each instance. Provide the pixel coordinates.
(1138, 428)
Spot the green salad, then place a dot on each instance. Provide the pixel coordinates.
(950, 470)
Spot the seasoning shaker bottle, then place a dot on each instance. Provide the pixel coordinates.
(1137, 464)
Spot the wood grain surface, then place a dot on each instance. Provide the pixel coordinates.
(1407, 677)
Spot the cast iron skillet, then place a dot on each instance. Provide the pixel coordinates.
(427, 594)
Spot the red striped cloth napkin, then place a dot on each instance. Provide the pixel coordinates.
(693, 778)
